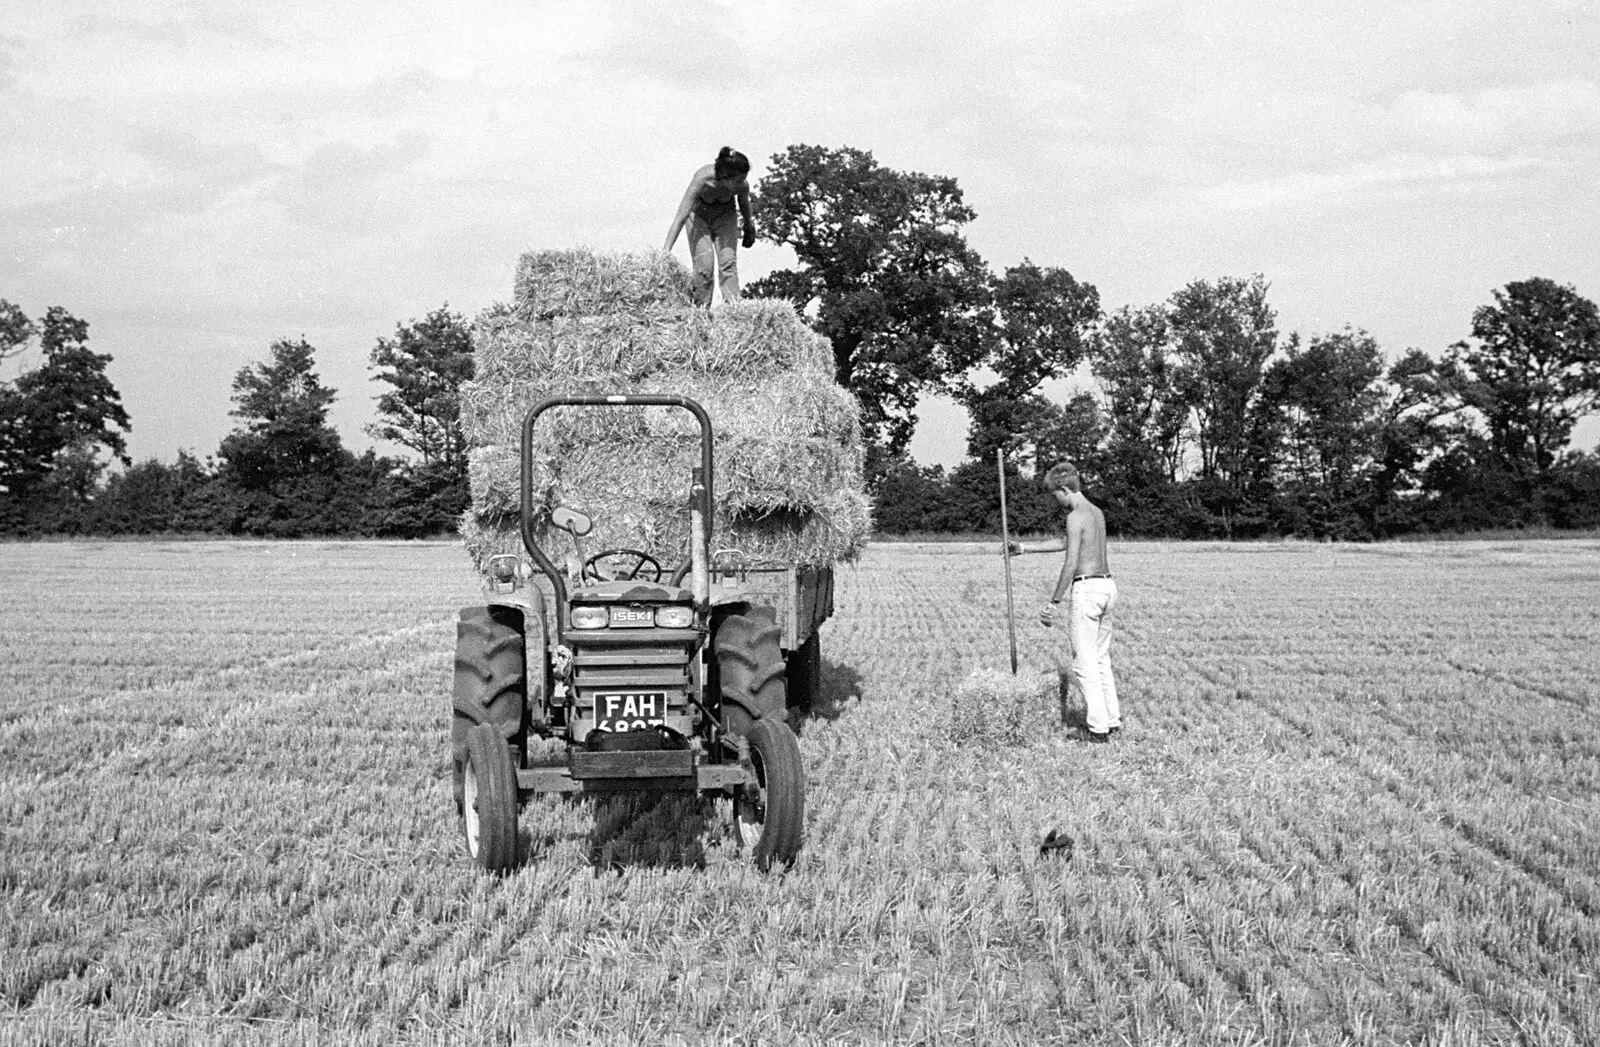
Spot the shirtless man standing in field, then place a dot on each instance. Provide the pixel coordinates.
(1086, 575)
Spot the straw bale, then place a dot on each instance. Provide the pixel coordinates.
(751, 474)
(991, 707)
(581, 282)
(831, 531)
(788, 449)
(789, 405)
(740, 340)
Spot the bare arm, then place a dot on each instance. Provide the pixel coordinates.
(744, 211)
(684, 207)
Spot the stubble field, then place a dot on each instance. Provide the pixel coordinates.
(1357, 800)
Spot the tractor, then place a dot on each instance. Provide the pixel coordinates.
(649, 679)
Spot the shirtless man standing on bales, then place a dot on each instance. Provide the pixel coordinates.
(1086, 575)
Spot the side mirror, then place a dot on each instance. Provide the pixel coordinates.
(571, 521)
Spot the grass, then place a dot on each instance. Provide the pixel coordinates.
(1357, 800)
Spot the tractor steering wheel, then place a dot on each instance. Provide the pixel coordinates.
(592, 571)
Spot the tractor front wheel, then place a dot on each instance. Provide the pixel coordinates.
(489, 800)
(769, 815)
(490, 676)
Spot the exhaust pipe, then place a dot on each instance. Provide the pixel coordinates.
(699, 541)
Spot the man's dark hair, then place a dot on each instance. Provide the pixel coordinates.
(730, 162)
(1063, 476)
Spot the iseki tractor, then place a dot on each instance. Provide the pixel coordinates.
(653, 677)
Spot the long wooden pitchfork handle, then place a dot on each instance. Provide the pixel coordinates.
(1005, 553)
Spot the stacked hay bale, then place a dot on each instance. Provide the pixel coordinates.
(788, 452)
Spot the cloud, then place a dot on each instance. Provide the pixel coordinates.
(243, 23)
(693, 50)
(175, 154)
(1401, 173)
(347, 188)
(8, 62)
(399, 93)
(1540, 112)
(81, 225)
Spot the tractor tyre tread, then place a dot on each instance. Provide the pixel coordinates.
(490, 671)
(784, 827)
(750, 668)
(497, 799)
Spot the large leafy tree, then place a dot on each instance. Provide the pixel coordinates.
(1223, 333)
(425, 363)
(64, 412)
(1042, 316)
(1321, 420)
(1417, 427)
(1132, 358)
(1146, 418)
(883, 266)
(1531, 371)
(1326, 404)
(284, 462)
(16, 330)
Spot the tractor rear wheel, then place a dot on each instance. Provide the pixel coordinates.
(489, 807)
(804, 676)
(491, 676)
(770, 815)
(750, 671)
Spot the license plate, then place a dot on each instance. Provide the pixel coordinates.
(629, 712)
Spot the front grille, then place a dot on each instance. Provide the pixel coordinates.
(630, 668)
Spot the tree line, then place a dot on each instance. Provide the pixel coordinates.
(1200, 418)
(283, 471)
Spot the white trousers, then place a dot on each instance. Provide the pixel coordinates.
(1089, 625)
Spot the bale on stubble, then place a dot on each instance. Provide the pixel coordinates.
(991, 707)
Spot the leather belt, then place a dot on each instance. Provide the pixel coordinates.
(1088, 577)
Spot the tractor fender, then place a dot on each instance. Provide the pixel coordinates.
(529, 601)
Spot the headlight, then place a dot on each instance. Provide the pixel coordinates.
(674, 617)
(590, 617)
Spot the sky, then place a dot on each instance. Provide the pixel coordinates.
(200, 179)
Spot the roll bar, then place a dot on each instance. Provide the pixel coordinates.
(700, 496)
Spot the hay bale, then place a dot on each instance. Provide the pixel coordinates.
(581, 282)
(823, 534)
(991, 707)
(752, 475)
(801, 503)
(740, 341)
(788, 449)
(791, 405)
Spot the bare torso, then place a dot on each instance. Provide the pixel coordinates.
(1088, 524)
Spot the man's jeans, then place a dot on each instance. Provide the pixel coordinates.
(1089, 624)
(713, 247)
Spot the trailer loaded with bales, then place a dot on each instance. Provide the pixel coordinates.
(659, 496)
